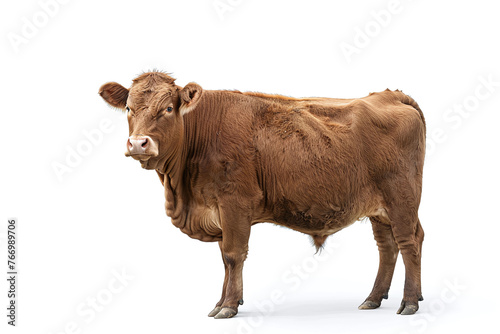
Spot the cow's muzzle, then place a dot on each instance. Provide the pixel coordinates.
(141, 147)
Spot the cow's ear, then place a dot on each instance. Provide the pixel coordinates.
(190, 96)
(114, 94)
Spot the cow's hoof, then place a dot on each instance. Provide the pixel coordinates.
(407, 308)
(226, 313)
(368, 305)
(214, 312)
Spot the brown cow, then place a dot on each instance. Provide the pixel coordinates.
(229, 160)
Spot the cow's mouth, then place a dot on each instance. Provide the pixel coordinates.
(139, 157)
(144, 159)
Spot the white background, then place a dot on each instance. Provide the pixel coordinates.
(107, 214)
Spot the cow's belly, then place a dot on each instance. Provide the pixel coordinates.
(318, 215)
(314, 219)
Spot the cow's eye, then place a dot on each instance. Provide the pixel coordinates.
(127, 109)
(169, 109)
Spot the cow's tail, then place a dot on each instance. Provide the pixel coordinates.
(408, 100)
(421, 146)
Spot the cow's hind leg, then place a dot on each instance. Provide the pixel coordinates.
(414, 284)
(401, 195)
(409, 236)
(388, 254)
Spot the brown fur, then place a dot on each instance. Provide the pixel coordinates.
(229, 160)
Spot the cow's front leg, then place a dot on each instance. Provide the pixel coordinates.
(218, 307)
(234, 247)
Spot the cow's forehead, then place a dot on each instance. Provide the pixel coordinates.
(150, 80)
(141, 97)
(148, 85)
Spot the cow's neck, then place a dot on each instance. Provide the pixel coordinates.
(173, 170)
(200, 130)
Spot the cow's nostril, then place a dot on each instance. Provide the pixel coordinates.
(139, 145)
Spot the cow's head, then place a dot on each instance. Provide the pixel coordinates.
(155, 107)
